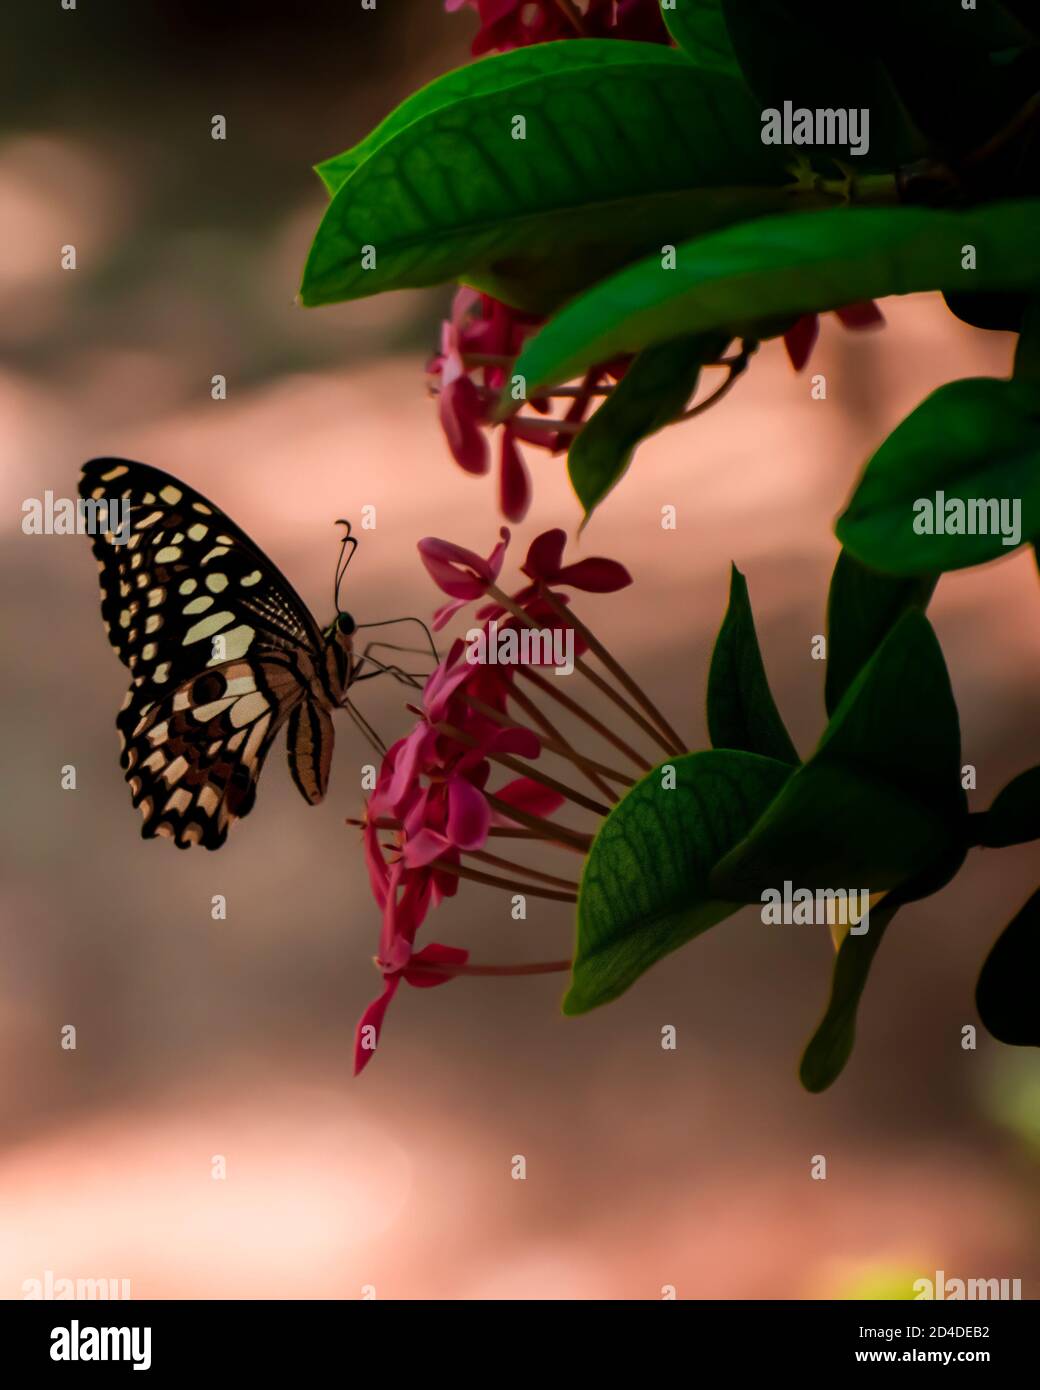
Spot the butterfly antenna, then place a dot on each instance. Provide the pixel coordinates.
(345, 557)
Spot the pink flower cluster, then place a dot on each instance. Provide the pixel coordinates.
(506, 24)
(479, 344)
(431, 793)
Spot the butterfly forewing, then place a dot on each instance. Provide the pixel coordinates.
(220, 647)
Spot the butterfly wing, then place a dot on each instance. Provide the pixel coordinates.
(220, 647)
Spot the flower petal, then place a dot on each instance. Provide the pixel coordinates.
(461, 411)
(434, 954)
(800, 339)
(469, 815)
(514, 481)
(364, 1047)
(461, 573)
(527, 796)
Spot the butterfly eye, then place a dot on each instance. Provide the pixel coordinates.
(345, 624)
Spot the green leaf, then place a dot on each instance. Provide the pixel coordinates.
(1027, 351)
(628, 146)
(881, 798)
(936, 53)
(741, 710)
(644, 891)
(485, 77)
(862, 608)
(967, 458)
(649, 396)
(699, 28)
(1014, 817)
(831, 1045)
(782, 267)
(1009, 985)
(787, 55)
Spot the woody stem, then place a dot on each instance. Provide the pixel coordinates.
(532, 890)
(559, 834)
(554, 743)
(572, 706)
(579, 665)
(525, 770)
(616, 669)
(499, 863)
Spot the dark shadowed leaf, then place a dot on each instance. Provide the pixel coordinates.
(626, 147)
(645, 891)
(1014, 817)
(862, 608)
(649, 396)
(1008, 991)
(741, 710)
(881, 798)
(956, 484)
(699, 28)
(788, 55)
(782, 267)
(831, 1045)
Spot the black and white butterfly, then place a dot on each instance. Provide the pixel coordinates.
(222, 652)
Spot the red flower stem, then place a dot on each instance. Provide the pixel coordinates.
(530, 889)
(554, 743)
(580, 665)
(499, 863)
(526, 770)
(560, 834)
(541, 967)
(532, 422)
(572, 706)
(616, 669)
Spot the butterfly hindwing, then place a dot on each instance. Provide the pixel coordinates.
(221, 649)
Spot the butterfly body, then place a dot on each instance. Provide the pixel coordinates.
(222, 653)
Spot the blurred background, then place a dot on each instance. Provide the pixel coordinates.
(198, 1038)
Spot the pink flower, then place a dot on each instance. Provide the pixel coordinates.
(544, 564)
(460, 573)
(800, 338)
(416, 973)
(506, 24)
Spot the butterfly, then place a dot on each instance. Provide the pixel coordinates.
(222, 653)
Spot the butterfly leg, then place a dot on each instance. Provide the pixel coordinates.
(389, 622)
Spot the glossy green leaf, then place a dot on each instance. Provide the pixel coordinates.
(881, 799)
(649, 396)
(627, 146)
(862, 608)
(1008, 993)
(966, 460)
(645, 891)
(782, 267)
(699, 28)
(1014, 817)
(741, 710)
(485, 76)
(831, 1045)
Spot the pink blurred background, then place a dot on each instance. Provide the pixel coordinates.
(195, 1038)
